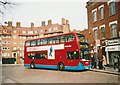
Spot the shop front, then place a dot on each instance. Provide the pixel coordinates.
(112, 49)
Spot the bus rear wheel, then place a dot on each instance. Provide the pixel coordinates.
(60, 66)
(32, 65)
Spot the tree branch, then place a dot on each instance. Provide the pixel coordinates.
(6, 4)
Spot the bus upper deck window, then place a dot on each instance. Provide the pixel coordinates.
(28, 43)
(71, 38)
(44, 41)
(54, 40)
(33, 43)
(50, 40)
(38, 42)
(62, 39)
(57, 40)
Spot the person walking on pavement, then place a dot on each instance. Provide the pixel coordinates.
(115, 60)
(104, 61)
(93, 61)
(119, 63)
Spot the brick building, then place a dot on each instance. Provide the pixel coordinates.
(103, 31)
(12, 38)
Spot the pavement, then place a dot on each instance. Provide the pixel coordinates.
(108, 70)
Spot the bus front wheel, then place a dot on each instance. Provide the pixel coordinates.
(60, 66)
(32, 65)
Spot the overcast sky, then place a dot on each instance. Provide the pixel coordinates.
(36, 11)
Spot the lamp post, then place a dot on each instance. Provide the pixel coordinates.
(97, 46)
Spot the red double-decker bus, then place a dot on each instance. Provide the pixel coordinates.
(63, 52)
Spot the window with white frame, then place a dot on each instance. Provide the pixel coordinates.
(14, 48)
(4, 31)
(94, 16)
(41, 30)
(28, 37)
(24, 37)
(4, 48)
(23, 48)
(6, 42)
(49, 29)
(112, 8)
(14, 36)
(15, 31)
(55, 28)
(101, 13)
(20, 48)
(8, 48)
(4, 54)
(23, 54)
(8, 54)
(20, 54)
(30, 32)
(95, 34)
(6, 36)
(36, 31)
(113, 30)
(14, 43)
(23, 32)
(9, 37)
(35, 37)
(102, 32)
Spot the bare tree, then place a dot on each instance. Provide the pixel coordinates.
(5, 4)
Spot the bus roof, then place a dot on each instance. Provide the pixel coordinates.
(55, 35)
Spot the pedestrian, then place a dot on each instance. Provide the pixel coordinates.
(115, 60)
(93, 61)
(119, 63)
(104, 61)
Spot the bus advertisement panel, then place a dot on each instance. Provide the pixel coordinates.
(63, 52)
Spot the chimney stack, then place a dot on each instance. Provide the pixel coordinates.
(9, 23)
(18, 24)
(49, 22)
(67, 22)
(63, 21)
(43, 23)
(32, 25)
